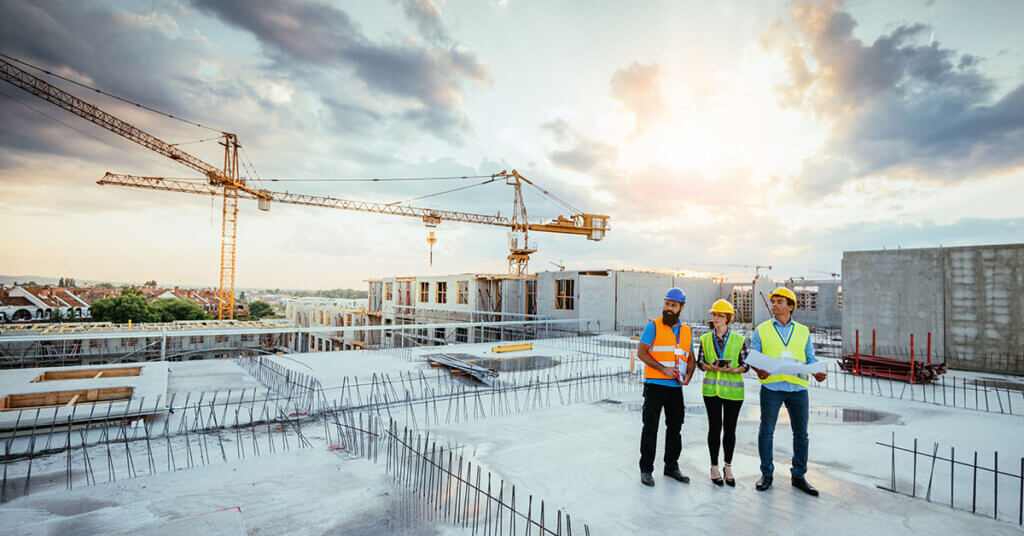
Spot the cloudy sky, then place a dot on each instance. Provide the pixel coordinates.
(714, 134)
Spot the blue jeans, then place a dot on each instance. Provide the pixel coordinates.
(797, 406)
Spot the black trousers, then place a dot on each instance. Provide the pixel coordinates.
(721, 411)
(658, 398)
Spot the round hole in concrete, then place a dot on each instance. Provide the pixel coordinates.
(514, 364)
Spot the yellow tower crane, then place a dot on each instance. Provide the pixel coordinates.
(227, 183)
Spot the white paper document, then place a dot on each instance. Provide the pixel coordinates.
(775, 365)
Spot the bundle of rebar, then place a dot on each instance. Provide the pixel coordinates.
(911, 370)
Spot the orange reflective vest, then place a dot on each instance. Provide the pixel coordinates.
(667, 349)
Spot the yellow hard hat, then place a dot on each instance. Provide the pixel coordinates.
(784, 292)
(722, 306)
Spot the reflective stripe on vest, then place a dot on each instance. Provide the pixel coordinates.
(726, 385)
(773, 346)
(667, 349)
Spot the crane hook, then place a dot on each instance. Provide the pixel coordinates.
(431, 239)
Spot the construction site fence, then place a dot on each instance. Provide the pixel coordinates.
(962, 481)
(978, 394)
(78, 348)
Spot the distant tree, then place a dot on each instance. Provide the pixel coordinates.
(150, 283)
(128, 305)
(260, 309)
(106, 286)
(241, 297)
(60, 283)
(171, 309)
(56, 316)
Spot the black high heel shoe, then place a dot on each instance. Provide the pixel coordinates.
(718, 481)
(729, 480)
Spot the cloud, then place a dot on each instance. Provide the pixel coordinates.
(427, 17)
(430, 79)
(901, 105)
(636, 87)
(581, 154)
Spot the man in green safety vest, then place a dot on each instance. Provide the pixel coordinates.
(783, 338)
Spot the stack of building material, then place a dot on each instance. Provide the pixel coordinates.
(459, 366)
(910, 371)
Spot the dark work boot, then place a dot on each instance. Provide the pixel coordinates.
(804, 486)
(764, 483)
(647, 479)
(674, 473)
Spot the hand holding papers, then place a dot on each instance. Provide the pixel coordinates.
(783, 365)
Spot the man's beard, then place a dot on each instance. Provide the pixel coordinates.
(669, 319)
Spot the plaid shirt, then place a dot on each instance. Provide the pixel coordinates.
(720, 341)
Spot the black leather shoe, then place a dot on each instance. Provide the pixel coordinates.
(678, 476)
(802, 485)
(647, 479)
(764, 483)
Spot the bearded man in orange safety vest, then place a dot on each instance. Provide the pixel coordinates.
(663, 344)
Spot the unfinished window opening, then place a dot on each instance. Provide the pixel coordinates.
(531, 297)
(64, 398)
(806, 298)
(195, 339)
(442, 292)
(565, 296)
(461, 335)
(424, 292)
(87, 374)
(463, 292)
(387, 291)
(743, 301)
(839, 298)
(439, 335)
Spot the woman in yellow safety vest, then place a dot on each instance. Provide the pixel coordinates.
(721, 357)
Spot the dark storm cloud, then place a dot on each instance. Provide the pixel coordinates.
(432, 77)
(132, 56)
(901, 104)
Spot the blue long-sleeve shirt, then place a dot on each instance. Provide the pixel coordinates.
(784, 332)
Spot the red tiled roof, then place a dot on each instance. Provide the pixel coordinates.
(16, 301)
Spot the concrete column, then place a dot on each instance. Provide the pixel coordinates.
(762, 288)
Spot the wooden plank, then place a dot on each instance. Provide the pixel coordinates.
(73, 400)
(98, 374)
(512, 347)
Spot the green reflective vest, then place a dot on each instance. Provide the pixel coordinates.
(772, 345)
(726, 385)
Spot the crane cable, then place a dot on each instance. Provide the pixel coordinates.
(111, 95)
(80, 131)
(376, 179)
(488, 181)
